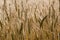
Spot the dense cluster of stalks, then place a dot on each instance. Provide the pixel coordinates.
(24, 20)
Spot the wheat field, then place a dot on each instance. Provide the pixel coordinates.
(29, 20)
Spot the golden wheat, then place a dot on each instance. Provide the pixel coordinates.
(30, 20)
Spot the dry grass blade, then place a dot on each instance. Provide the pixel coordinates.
(29, 26)
(15, 5)
(52, 36)
(10, 9)
(26, 15)
(47, 35)
(52, 27)
(36, 38)
(1, 24)
(53, 10)
(49, 12)
(42, 21)
(12, 35)
(58, 36)
(19, 13)
(56, 20)
(35, 14)
(39, 21)
(59, 5)
(21, 28)
(5, 9)
(53, 17)
(35, 17)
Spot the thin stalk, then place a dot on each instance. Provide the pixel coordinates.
(41, 24)
(59, 6)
